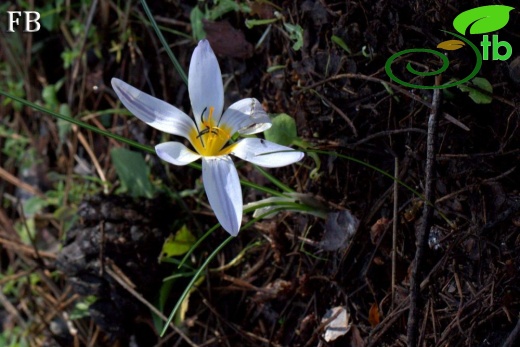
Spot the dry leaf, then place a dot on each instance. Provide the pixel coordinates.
(274, 290)
(340, 227)
(378, 228)
(227, 41)
(373, 315)
(339, 325)
(411, 212)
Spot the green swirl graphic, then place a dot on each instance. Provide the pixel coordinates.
(444, 67)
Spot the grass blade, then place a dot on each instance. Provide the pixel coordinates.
(79, 123)
(178, 66)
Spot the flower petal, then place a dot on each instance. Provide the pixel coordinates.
(259, 152)
(205, 82)
(153, 111)
(224, 192)
(175, 153)
(247, 116)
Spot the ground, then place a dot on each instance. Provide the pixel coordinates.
(80, 245)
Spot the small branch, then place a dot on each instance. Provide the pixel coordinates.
(340, 112)
(514, 337)
(394, 227)
(424, 231)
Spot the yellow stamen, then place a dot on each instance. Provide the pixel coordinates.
(211, 140)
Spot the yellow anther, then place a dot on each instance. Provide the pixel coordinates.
(211, 138)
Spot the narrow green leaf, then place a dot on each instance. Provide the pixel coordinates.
(80, 123)
(337, 40)
(176, 63)
(275, 68)
(64, 127)
(194, 280)
(132, 172)
(251, 23)
(483, 19)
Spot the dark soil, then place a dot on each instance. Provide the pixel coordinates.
(279, 290)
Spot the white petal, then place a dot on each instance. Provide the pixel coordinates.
(205, 82)
(253, 149)
(153, 111)
(247, 116)
(175, 153)
(224, 192)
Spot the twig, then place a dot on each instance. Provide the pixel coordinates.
(424, 231)
(7, 176)
(77, 62)
(471, 186)
(11, 309)
(513, 337)
(394, 227)
(385, 133)
(340, 112)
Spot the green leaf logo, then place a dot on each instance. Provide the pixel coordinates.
(482, 19)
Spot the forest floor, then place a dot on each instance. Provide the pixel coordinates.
(79, 245)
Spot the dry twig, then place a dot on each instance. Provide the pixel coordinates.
(422, 237)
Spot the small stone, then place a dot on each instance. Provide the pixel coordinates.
(514, 70)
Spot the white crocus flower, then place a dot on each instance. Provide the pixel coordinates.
(210, 133)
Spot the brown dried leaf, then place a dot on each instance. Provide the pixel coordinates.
(274, 290)
(411, 213)
(227, 41)
(378, 228)
(373, 315)
(262, 9)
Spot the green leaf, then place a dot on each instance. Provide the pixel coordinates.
(483, 19)
(225, 6)
(337, 40)
(295, 32)
(49, 94)
(67, 215)
(283, 130)
(132, 172)
(80, 310)
(275, 68)
(196, 17)
(476, 94)
(251, 23)
(34, 205)
(178, 244)
(64, 127)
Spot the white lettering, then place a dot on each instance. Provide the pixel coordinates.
(12, 21)
(28, 21)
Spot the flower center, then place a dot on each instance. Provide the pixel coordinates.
(209, 141)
